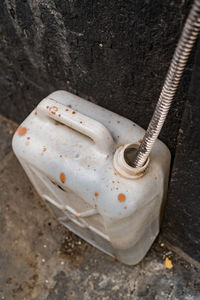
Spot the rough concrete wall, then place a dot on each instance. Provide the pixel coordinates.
(181, 224)
(114, 53)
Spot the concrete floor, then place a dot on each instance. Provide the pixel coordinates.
(40, 259)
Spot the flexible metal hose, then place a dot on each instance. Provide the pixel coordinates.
(186, 42)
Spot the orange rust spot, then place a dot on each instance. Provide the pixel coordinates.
(118, 122)
(73, 112)
(44, 149)
(27, 143)
(59, 115)
(81, 122)
(53, 108)
(69, 106)
(60, 155)
(113, 181)
(140, 141)
(96, 194)
(66, 109)
(125, 207)
(21, 130)
(47, 106)
(36, 113)
(121, 198)
(53, 112)
(107, 156)
(62, 177)
(28, 138)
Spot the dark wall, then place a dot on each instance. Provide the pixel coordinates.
(113, 53)
(182, 226)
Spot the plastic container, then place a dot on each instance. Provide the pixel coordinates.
(77, 155)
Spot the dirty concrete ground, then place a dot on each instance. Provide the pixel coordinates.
(42, 260)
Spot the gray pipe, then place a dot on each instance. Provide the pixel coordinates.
(179, 60)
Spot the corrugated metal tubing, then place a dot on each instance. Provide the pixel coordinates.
(186, 42)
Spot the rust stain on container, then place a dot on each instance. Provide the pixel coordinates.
(62, 177)
(96, 194)
(73, 112)
(35, 113)
(44, 149)
(69, 106)
(66, 109)
(21, 130)
(53, 108)
(28, 138)
(121, 197)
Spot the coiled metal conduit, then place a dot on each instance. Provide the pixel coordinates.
(179, 60)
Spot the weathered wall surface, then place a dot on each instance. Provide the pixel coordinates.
(113, 53)
(181, 224)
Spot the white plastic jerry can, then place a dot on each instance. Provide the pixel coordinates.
(78, 157)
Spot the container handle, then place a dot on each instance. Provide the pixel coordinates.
(79, 122)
